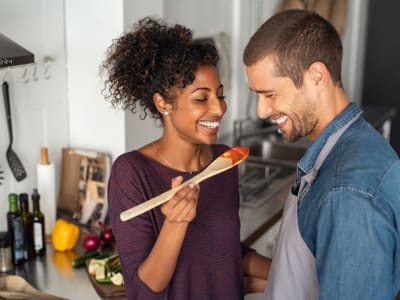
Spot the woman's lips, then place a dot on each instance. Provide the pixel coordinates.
(209, 126)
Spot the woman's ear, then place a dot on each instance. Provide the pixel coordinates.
(162, 106)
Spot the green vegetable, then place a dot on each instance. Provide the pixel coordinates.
(102, 255)
(104, 280)
(106, 269)
(80, 261)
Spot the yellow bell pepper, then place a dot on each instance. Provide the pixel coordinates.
(65, 235)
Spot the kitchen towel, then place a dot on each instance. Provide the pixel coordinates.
(46, 183)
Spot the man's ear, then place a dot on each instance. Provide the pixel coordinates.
(318, 73)
(162, 106)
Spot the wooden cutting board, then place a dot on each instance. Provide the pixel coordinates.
(106, 290)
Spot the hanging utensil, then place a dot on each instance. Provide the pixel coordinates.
(222, 163)
(13, 161)
(1, 176)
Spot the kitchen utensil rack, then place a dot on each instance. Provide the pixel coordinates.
(30, 72)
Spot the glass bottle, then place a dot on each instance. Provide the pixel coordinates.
(16, 231)
(6, 264)
(39, 233)
(27, 222)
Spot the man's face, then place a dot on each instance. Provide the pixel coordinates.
(293, 109)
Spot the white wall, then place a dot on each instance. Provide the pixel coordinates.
(354, 41)
(39, 108)
(140, 132)
(90, 27)
(248, 17)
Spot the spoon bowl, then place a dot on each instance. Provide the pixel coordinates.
(222, 163)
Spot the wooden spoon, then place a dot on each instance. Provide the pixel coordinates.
(16, 287)
(224, 162)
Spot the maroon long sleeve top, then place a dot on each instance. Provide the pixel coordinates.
(210, 262)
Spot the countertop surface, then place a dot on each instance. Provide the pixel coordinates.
(53, 273)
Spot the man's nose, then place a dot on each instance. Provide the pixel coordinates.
(263, 108)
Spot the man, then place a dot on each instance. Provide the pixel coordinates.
(340, 236)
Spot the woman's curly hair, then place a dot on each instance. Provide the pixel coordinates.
(153, 58)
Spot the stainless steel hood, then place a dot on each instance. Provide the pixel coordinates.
(13, 54)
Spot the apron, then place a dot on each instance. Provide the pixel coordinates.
(293, 273)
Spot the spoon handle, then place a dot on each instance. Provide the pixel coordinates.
(150, 204)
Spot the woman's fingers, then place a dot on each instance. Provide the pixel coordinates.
(182, 202)
(182, 206)
(189, 207)
(176, 181)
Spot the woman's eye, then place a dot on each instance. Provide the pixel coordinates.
(222, 97)
(201, 99)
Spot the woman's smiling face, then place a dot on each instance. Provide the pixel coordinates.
(198, 109)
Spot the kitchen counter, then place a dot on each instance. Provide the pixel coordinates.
(53, 274)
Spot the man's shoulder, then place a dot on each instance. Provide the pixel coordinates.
(361, 160)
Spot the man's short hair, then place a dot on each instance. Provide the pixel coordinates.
(296, 39)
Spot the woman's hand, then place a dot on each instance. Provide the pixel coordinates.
(256, 269)
(254, 284)
(183, 205)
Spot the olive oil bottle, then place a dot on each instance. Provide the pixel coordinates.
(39, 232)
(16, 230)
(27, 222)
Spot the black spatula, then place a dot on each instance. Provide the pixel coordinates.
(1, 176)
(13, 161)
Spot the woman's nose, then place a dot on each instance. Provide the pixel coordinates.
(218, 106)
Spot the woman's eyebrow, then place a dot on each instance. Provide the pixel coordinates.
(206, 88)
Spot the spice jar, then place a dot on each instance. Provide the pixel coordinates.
(5, 252)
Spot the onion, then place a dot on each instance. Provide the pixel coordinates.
(91, 242)
(106, 235)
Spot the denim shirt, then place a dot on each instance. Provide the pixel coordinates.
(350, 217)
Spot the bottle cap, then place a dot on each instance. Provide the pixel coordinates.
(35, 195)
(44, 156)
(12, 198)
(23, 200)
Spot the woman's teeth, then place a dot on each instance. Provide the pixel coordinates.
(209, 124)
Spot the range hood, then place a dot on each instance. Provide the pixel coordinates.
(12, 54)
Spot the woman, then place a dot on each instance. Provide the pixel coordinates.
(189, 248)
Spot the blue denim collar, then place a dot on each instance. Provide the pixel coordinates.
(309, 158)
